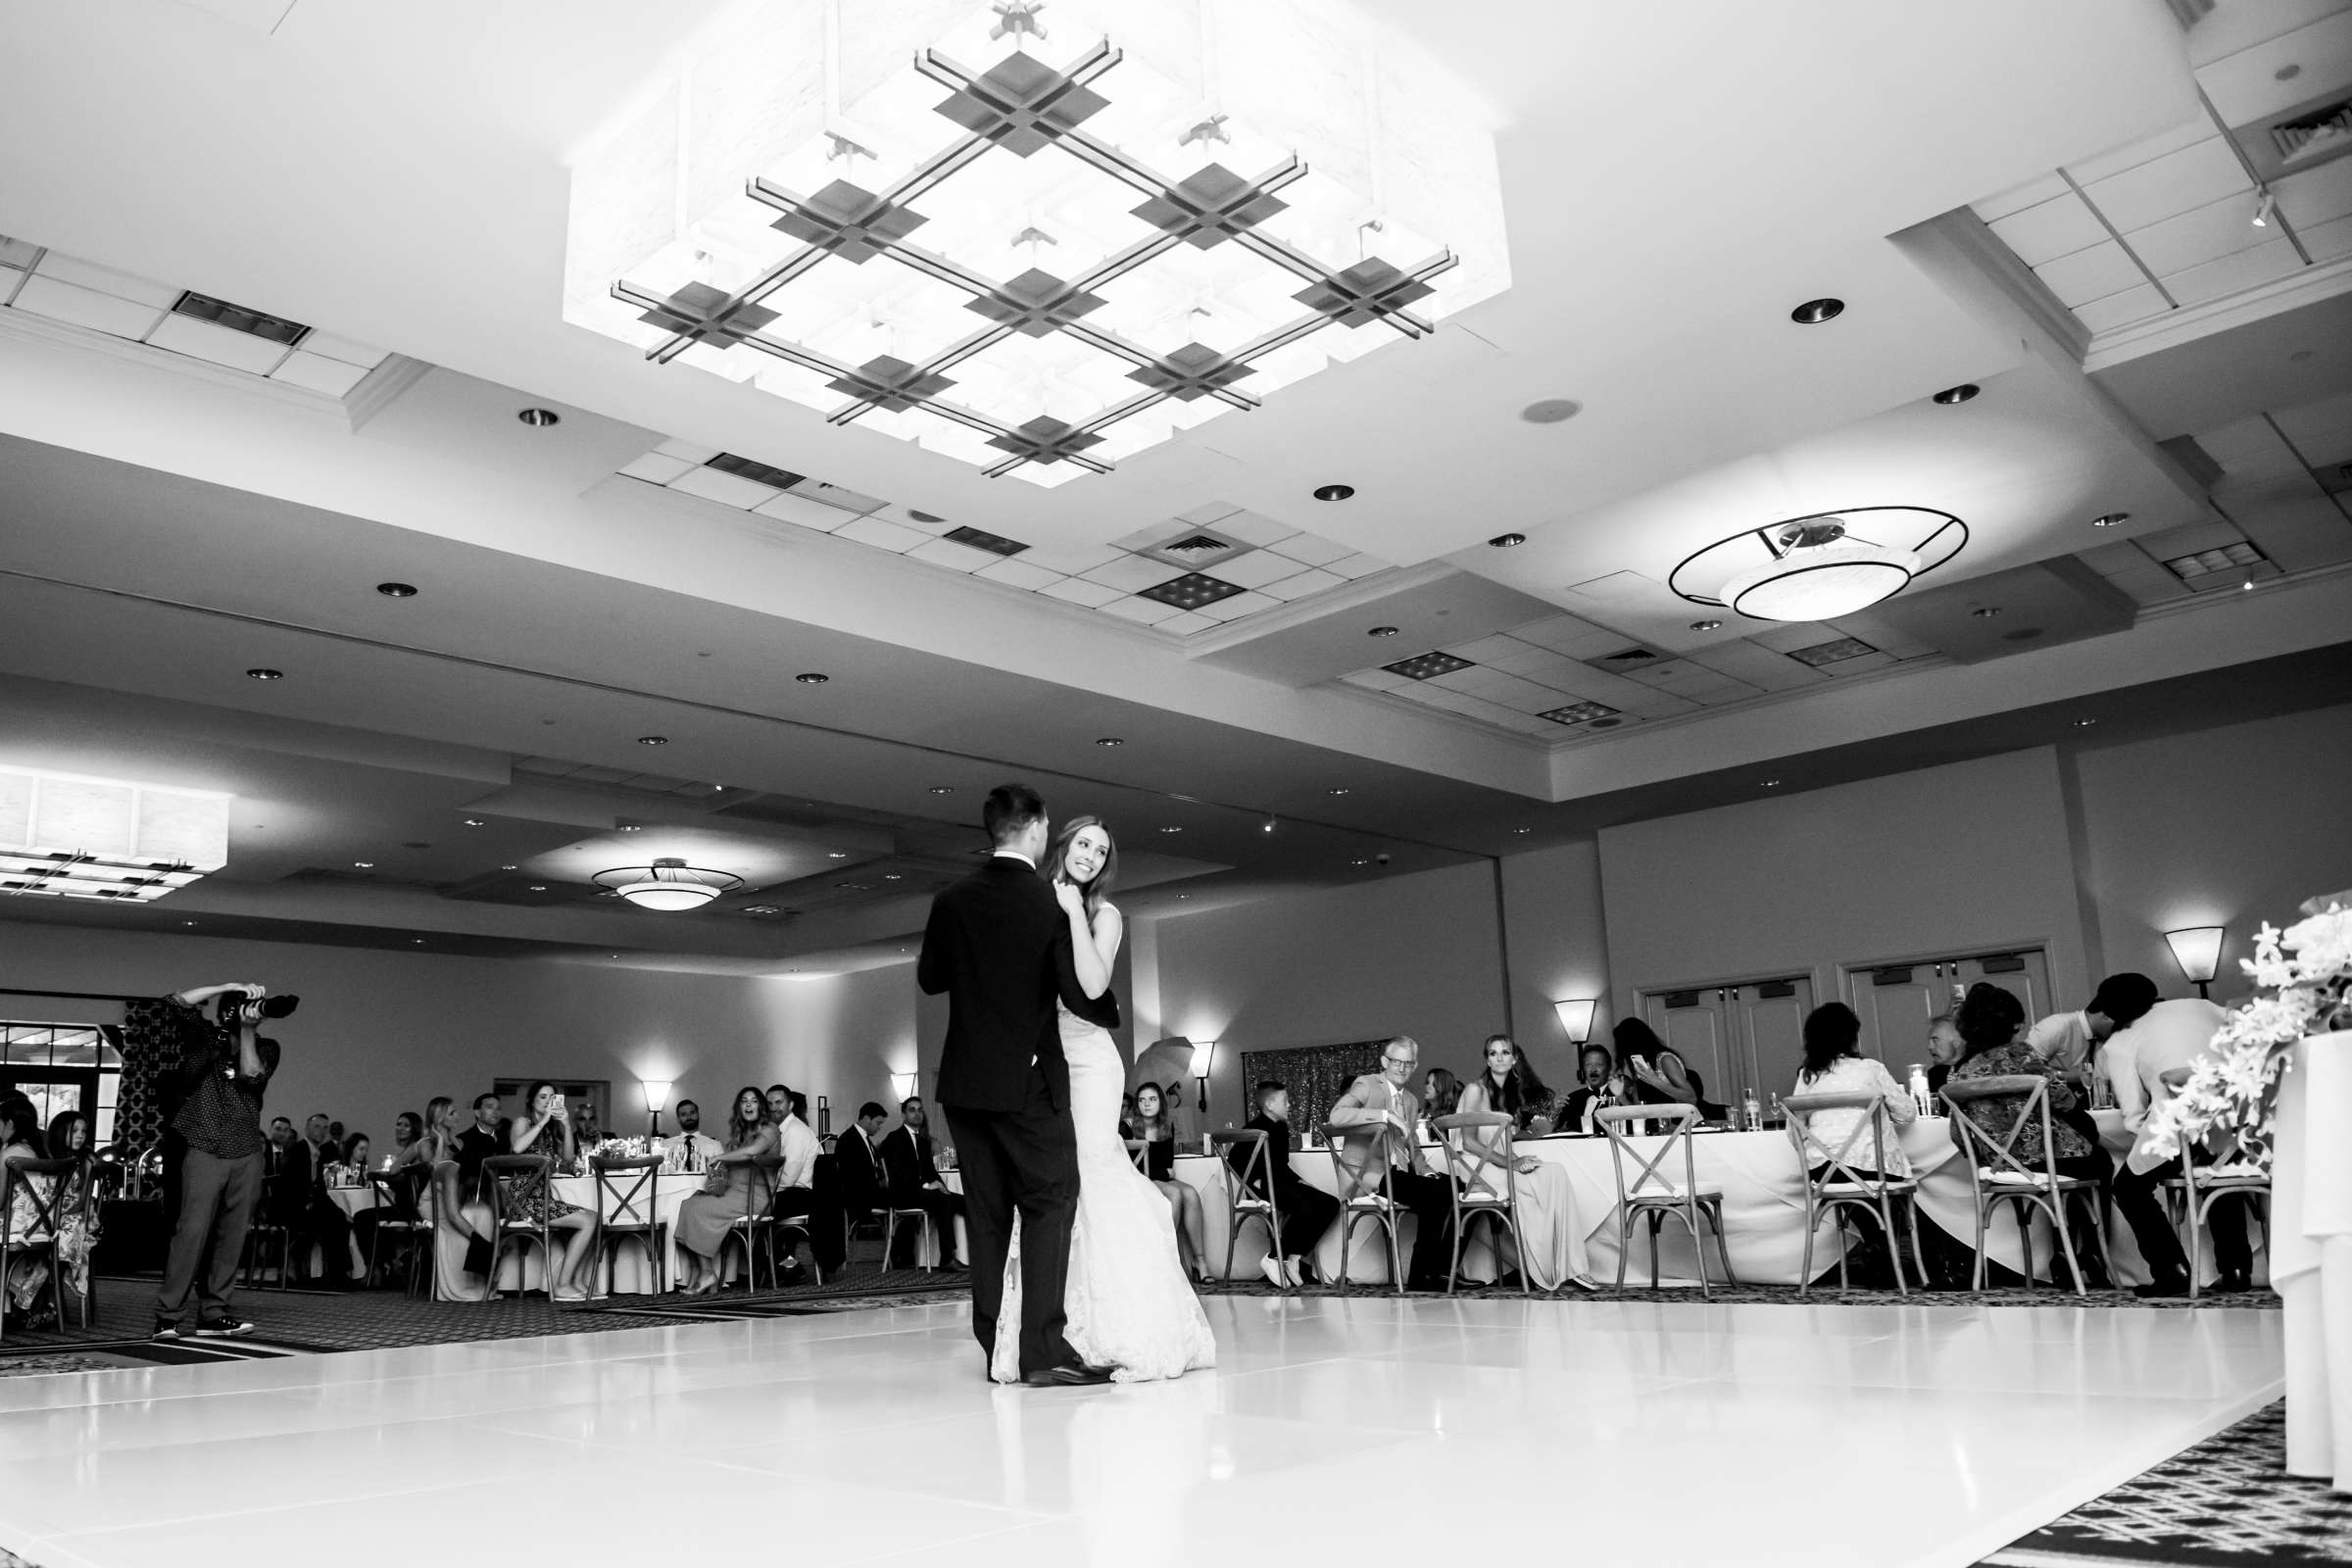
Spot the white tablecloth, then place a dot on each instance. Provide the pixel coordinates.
(2310, 1232)
(522, 1266)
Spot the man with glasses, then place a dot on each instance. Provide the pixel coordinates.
(1387, 1112)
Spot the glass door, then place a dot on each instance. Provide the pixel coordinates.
(65, 1066)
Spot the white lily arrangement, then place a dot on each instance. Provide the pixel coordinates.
(2233, 1091)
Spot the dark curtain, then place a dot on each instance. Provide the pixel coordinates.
(150, 1050)
(1317, 1075)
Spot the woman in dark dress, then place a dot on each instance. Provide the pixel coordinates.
(1151, 1140)
(1657, 1073)
(545, 1128)
(703, 1220)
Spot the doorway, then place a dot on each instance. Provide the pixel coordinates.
(1741, 1037)
(1896, 1001)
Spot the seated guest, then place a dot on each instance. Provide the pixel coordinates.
(692, 1147)
(1834, 1065)
(798, 1196)
(861, 1177)
(1657, 1073)
(322, 1223)
(407, 1128)
(2143, 1059)
(481, 1139)
(1306, 1211)
(24, 1293)
(2069, 1041)
(1152, 1141)
(1599, 1087)
(1992, 1024)
(1549, 1223)
(705, 1219)
(1944, 1050)
(586, 1133)
(1380, 1113)
(69, 1138)
(1441, 1093)
(1518, 1092)
(910, 1172)
(545, 1129)
(356, 1156)
(285, 1176)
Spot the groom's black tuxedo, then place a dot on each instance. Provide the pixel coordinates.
(997, 945)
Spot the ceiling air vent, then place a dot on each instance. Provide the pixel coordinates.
(2311, 136)
(1831, 653)
(996, 544)
(2213, 568)
(237, 319)
(1579, 712)
(1196, 549)
(1629, 655)
(756, 473)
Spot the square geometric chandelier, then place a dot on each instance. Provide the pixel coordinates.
(1035, 235)
(66, 836)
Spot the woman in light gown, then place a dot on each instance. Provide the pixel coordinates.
(1549, 1223)
(1130, 1307)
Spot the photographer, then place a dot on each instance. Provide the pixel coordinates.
(224, 1067)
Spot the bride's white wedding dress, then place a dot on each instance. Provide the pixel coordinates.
(1129, 1305)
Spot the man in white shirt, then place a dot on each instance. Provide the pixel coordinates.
(694, 1147)
(2068, 1041)
(2169, 1039)
(796, 1184)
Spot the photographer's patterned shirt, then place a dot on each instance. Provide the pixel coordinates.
(222, 1113)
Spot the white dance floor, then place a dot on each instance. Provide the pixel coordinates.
(1372, 1428)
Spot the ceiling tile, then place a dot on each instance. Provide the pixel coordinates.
(82, 306)
(1238, 606)
(727, 489)
(1017, 572)
(2203, 171)
(691, 450)
(2120, 308)
(1191, 621)
(1149, 611)
(2316, 195)
(1256, 569)
(1310, 551)
(1073, 558)
(1756, 665)
(2265, 262)
(2090, 274)
(1151, 535)
(1131, 572)
(1310, 581)
(345, 348)
(2016, 199)
(1354, 566)
(216, 345)
(1379, 680)
(805, 512)
(2187, 134)
(106, 280)
(2300, 535)
(1558, 633)
(1078, 591)
(1201, 517)
(1251, 528)
(2322, 432)
(2198, 237)
(2050, 230)
(318, 374)
(2244, 86)
(2330, 240)
(656, 467)
(938, 552)
(885, 535)
(1488, 649)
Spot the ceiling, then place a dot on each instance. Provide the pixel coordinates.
(187, 493)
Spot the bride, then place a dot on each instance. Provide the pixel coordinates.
(1130, 1307)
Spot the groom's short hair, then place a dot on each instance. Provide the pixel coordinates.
(1010, 810)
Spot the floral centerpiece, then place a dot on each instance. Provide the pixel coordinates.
(2305, 976)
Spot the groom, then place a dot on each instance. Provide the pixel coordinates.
(991, 945)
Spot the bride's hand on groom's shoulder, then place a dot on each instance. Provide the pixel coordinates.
(1072, 901)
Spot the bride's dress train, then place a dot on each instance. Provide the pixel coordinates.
(1129, 1305)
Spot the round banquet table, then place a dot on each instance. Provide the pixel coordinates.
(1763, 1208)
(2311, 1230)
(522, 1267)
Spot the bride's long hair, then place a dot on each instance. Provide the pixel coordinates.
(1058, 857)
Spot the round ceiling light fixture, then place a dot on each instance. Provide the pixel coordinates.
(540, 419)
(1551, 410)
(653, 740)
(2110, 519)
(1508, 541)
(1822, 566)
(1953, 395)
(813, 678)
(1110, 740)
(1382, 631)
(1815, 312)
(1706, 625)
(265, 675)
(397, 590)
(667, 885)
(1334, 492)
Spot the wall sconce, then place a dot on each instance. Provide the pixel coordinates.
(657, 1099)
(2197, 949)
(1576, 1017)
(1205, 1055)
(902, 1084)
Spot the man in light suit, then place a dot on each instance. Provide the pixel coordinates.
(1387, 1111)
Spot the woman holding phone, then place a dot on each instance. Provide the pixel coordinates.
(545, 1128)
(1656, 1074)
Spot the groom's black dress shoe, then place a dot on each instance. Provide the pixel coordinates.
(1066, 1377)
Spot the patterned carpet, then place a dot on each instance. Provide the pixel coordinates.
(1819, 1295)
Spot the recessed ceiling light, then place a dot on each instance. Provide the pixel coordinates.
(365, 865)
(943, 789)
(1359, 860)
(1110, 740)
(629, 827)
(418, 941)
(1171, 830)
(811, 678)
(2084, 723)
(893, 876)
(2108, 519)
(265, 675)
(2286, 72)
(1508, 541)
(1184, 895)
(1815, 312)
(1337, 790)
(837, 854)
(653, 740)
(397, 590)
(540, 419)
(538, 887)
(187, 922)
(476, 822)
(1334, 492)
(1706, 625)
(1772, 783)
(1551, 410)
(2299, 356)
(509, 868)
(1382, 631)
(1267, 826)
(1987, 613)
(1523, 830)
(1952, 395)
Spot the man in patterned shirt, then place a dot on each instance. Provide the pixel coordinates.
(224, 1069)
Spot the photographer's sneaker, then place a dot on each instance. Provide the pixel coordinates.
(222, 1328)
(164, 1330)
